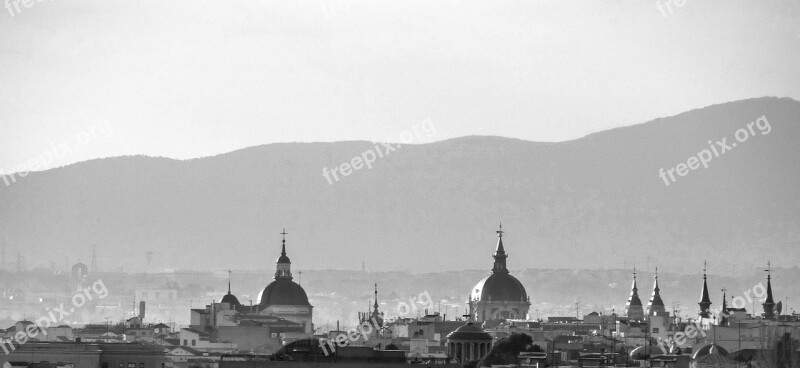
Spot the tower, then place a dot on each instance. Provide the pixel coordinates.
(283, 268)
(705, 301)
(769, 303)
(634, 305)
(723, 316)
(656, 306)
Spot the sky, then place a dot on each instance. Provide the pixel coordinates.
(184, 79)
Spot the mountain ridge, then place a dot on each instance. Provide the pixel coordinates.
(560, 201)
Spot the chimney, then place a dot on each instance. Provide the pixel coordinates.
(141, 311)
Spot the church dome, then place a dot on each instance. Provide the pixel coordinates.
(500, 287)
(710, 349)
(231, 299)
(645, 352)
(283, 292)
(469, 332)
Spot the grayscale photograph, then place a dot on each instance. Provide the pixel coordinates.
(358, 184)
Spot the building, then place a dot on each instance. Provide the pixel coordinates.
(284, 298)
(705, 300)
(283, 315)
(499, 296)
(468, 343)
(88, 355)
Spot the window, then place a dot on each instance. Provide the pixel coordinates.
(185, 342)
(121, 365)
(131, 365)
(141, 365)
(655, 329)
(104, 365)
(194, 342)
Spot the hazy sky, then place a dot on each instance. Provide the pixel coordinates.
(194, 78)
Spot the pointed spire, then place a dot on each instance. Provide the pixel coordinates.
(283, 268)
(634, 304)
(283, 242)
(656, 306)
(375, 306)
(500, 253)
(723, 316)
(705, 300)
(229, 282)
(769, 303)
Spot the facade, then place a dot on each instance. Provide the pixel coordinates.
(88, 355)
(468, 343)
(499, 296)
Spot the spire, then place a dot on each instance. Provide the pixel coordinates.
(656, 305)
(705, 301)
(375, 306)
(723, 317)
(500, 253)
(769, 303)
(283, 242)
(634, 305)
(229, 282)
(283, 268)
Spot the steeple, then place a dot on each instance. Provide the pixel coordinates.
(656, 306)
(723, 316)
(375, 306)
(229, 298)
(500, 254)
(634, 305)
(769, 303)
(705, 301)
(283, 268)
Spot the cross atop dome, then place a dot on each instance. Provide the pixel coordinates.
(284, 264)
(500, 253)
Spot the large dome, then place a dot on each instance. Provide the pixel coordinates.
(283, 292)
(469, 331)
(499, 287)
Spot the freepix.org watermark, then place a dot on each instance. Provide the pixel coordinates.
(381, 150)
(55, 316)
(715, 150)
(363, 330)
(666, 6)
(13, 6)
(57, 152)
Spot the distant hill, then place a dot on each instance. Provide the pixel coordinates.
(595, 202)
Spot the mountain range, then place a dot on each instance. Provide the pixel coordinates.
(595, 202)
